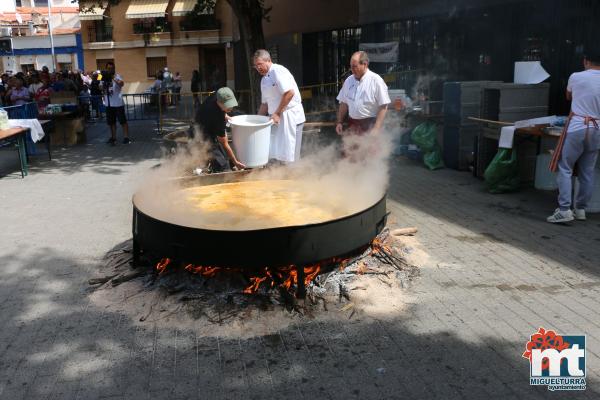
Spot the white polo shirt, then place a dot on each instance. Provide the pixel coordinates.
(585, 87)
(272, 87)
(364, 97)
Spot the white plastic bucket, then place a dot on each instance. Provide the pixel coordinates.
(544, 178)
(251, 139)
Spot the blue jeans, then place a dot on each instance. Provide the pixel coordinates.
(581, 149)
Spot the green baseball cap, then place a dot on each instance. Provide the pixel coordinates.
(226, 96)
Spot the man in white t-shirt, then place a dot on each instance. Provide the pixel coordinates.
(364, 97)
(111, 84)
(280, 98)
(581, 143)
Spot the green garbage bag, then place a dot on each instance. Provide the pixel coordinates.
(425, 136)
(502, 175)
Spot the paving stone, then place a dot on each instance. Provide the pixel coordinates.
(497, 272)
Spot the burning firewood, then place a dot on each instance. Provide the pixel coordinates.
(404, 231)
(127, 277)
(101, 280)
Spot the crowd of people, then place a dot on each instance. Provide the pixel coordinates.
(20, 88)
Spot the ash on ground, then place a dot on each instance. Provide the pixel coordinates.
(373, 281)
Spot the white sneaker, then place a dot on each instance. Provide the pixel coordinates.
(579, 214)
(560, 216)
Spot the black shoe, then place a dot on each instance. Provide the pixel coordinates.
(126, 140)
(111, 141)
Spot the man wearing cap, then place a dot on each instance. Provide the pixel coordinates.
(281, 100)
(212, 118)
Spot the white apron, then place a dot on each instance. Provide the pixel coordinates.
(283, 135)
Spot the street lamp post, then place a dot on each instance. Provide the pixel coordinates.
(50, 34)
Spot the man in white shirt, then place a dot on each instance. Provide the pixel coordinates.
(581, 143)
(111, 84)
(280, 98)
(364, 97)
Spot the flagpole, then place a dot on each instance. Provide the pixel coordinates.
(50, 34)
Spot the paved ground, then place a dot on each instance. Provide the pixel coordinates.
(497, 273)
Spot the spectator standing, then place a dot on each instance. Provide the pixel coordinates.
(167, 84)
(176, 88)
(96, 93)
(195, 87)
(3, 88)
(58, 84)
(19, 95)
(70, 85)
(35, 84)
(43, 94)
(112, 84)
(85, 100)
(156, 88)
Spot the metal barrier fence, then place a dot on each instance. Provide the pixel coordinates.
(138, 107)
(23, 111)
(178, 109)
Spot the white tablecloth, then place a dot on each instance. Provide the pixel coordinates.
(37, 132)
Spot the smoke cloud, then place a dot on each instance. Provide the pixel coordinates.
(340, 179)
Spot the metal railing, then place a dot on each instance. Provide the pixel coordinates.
(177, 109)
(138, 107)
(103, 35)
(200, 23)
(23, 111)
(158, 27)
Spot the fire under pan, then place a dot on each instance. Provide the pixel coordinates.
(255, 249)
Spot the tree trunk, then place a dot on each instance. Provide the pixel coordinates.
(250, 15)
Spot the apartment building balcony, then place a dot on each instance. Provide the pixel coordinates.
(204, 22)
(99, 38)
(153, 27)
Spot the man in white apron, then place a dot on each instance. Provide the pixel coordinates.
(280, 98)
(579, 144)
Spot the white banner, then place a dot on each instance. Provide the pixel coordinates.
(381, 52)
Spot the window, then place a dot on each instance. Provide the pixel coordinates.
(41, 3)
(27, 67)
(101, 63)
(65, 66)
(154, 65)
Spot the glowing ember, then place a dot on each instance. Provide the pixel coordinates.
(286, 277)
(207, 272)
(256, 281)
(162, 265)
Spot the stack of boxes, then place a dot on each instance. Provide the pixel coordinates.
(461, 101)
(510, 102)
